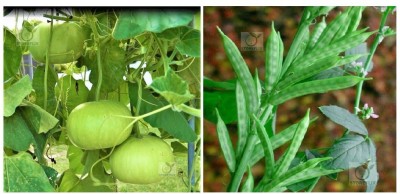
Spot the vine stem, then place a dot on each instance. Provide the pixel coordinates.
(92, 24)
(189, 110)
(46, 68)
(377, 40)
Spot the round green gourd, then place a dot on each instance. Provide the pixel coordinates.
(98, 125)
(66, 44)
(142, 160)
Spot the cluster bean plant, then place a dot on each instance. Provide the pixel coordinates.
(324, 56)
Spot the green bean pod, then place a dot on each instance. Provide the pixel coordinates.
(290, 153)
(329, 32)
(276, 141)
(355, 16)
(345, 25)
(309, 174)
(294, 48)
(281, 181)
(316, 86)
(343, 44)
(226, 144)
(318, 29)
(248, 185)
(313, 69)
(272, 60)
(242, 72)
(243, 121)
(258, 86)
(281, 50)
(267, 146)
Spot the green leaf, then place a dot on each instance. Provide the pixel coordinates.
(343, 117)
(112, 63)
(17, 135)
(38, 86)
(223, 101)
(329, 73)
(186, 39)
(350, 151)
(41, 120)
(171, 121)
(14, 95)
(91, 157)
(75, 156)
(23, 174)
(225, 85)
(173, 88)
(134, 22)
(12, 54)
(51, 174)
(248, 185)
(33, 122)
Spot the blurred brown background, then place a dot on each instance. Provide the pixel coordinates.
(379, 93)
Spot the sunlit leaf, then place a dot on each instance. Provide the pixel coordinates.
(12, 54)
(134, 22)
(173, 88)
(23, 174)
(14, 95)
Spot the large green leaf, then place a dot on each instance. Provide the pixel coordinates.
(41, 120)
(173, 88)
(186, 39)
(343, 117)
(12, 54)
(38, 86)
(172, 122)
(23, 174)
(14, 95)
(350, 151)
(134, 22)
(39, 123)
(224, 101)
(17, 135)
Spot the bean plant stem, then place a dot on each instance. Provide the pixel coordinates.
(244, 161)
(367, 64)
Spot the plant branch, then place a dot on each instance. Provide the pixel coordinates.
(189, 110)
(92, 23)
(46, 69)
(367, 64)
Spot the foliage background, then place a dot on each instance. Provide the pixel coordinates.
(379, 93)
